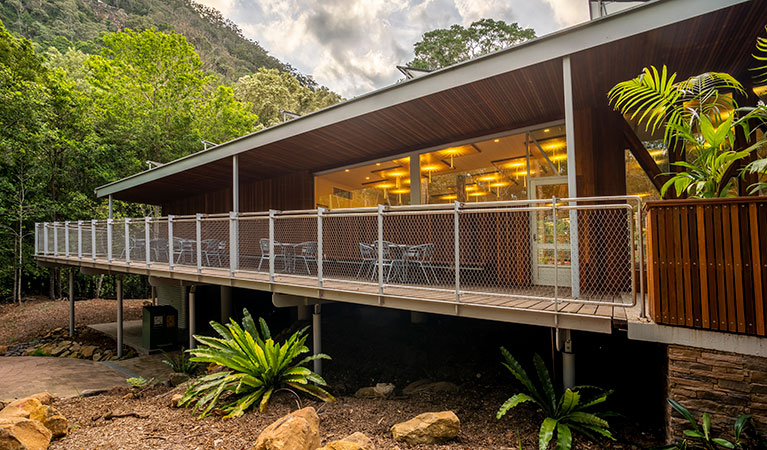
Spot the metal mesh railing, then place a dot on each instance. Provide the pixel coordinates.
(507, 254)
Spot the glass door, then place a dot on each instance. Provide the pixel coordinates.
(542, 234)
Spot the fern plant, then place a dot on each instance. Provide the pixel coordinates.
(565, 413)
(180, 363)
(701, 435)
(257, 367)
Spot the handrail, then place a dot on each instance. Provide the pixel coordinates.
(485, 255)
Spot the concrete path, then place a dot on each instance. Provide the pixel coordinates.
(21, 376)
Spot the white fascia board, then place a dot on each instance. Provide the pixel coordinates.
(629, 22)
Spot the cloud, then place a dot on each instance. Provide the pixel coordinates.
(353, 46)
(569, 12)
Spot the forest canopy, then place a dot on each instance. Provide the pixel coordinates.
(71, 121)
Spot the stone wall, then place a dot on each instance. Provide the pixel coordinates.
(723, 384)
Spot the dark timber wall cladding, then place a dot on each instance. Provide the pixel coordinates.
(287, 192)
(725, 385)
(707, 263)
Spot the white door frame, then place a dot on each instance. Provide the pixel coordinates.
(564, 280)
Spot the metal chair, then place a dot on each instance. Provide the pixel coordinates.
(213, 248)
(185, 249)
(369, 257)
(279, 252)
(422, 255)
(306, 252)
(159, 247)
(393, 259)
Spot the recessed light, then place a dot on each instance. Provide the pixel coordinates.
(546, 130)
(496, 140)
(346, 170)
(378, 164)
(367, 178)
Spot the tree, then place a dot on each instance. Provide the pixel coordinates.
(446, 46)
(270, 91)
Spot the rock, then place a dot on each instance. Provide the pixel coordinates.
(299, 430)
(356, 441)
(44, 397)
(411, 388)
(428, 428)
(87, 351)
(96, 356)
(17, 433)
(75, 347)
(32, 408)
(30, 350)
(3, 349)
(380, 390)
(60, 349)
(177, 378)
(440, 386)
(26, 408)
(175, 399)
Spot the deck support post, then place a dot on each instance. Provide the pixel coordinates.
(317, 337)
(192, 316)
(119, 284)
(417, 318)
(72, 302)
(226, 304)
(565, 344)
(303, 313)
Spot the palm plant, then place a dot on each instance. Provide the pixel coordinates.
(565, 413)
(258, 367)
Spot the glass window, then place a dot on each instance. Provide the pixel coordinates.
(386, 183)
(493, 169)
(487, 170)
(637, 181)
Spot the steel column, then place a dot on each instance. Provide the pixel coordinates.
(572, 186)
(71, 302)
(93, 239)
(66, 239)
(109, 241)
(192, 316)
(119, 283)
(80, 240)
(317, 338)
(198, 235)
(127, 241)
(272, 213)
(380, 252)
(147, 243)
(457, 252)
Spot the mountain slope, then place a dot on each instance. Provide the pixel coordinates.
(76, 23)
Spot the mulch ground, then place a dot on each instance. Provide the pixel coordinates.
(35, 317)
(154, 424)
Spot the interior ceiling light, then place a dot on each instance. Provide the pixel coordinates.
(546, 130)
(400, 191)
(471, 187)
(454, 152)
(492, 176)
(510, 163)
(496, 140)
(449, 197)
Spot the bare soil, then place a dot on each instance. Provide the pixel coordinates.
(35, 317)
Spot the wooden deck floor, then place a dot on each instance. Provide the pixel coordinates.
(520, 305)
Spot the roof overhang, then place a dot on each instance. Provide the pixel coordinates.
(507, 89)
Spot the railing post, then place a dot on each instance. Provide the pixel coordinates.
(556, 261)
(457, 252)
(147, 240)
(127, 241)
(93, 239)
(55, 239)
(643, 310)
(170, 242)
(198, 235)
(45, 238)
(66, 239)
(380, 251)
(110, 223)
(272, 214)
(80, 240)
(320, 252)
(37, 244)
(233, 243)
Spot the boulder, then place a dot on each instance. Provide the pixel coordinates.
(420, 387)
(356, 441)
(299, 430)
(87, 351)
(61, 348)
(33, 409)
(17, 433)
(26, 408)
(44, 397)
(177, 378)
(380, 390)
(428, 428)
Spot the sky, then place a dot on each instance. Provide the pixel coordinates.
(354, 46)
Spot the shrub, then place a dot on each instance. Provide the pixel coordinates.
(258, 367)
(565, 413)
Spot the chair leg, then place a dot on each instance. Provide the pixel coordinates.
(423, 269)
(261, 261)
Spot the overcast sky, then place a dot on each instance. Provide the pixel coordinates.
(353, 46)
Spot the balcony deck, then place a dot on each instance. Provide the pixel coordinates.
(524, 306)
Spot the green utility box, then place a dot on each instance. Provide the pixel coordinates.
(159, 326)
